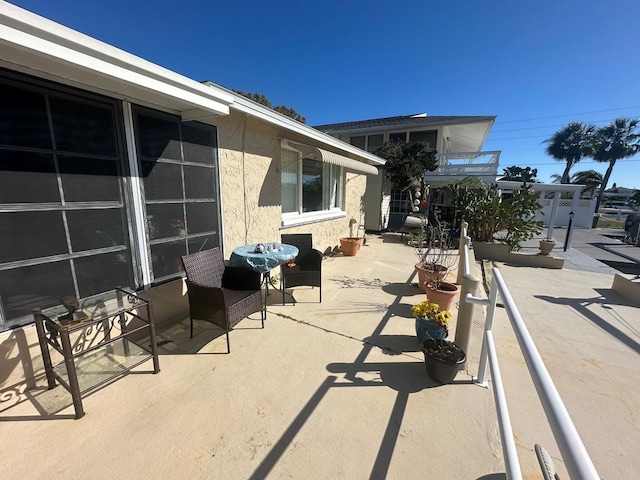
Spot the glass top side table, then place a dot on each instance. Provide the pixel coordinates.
(99, 339)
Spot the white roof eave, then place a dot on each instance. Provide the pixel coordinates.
(254, 109)
(36, 43)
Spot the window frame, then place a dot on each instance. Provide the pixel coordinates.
(143, 226)
(73, 255)
(299, 217)
(135, 245)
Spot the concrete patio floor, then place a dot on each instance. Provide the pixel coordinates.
(338, 389)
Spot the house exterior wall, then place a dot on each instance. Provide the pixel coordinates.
(248, 175)
(249, 155)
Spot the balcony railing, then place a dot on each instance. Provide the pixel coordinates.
(464, 164)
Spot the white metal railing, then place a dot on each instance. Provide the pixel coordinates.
(463, 164)
(468, 157)
(575, 456)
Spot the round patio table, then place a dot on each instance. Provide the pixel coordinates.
(263, 262)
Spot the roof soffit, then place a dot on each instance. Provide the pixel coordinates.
(42, 45)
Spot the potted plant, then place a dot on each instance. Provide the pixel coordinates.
(442, 359)
(436, 263)
(435, 252)
(442, 293)
(431, 321)
(351, 244)
(494, 216)
(546, 245)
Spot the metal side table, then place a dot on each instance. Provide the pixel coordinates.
(99, 342)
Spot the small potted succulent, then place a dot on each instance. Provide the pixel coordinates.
(351, 244)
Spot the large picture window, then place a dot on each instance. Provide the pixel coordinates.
(79, 214)
(177, 163)
(63, 218)
(310, 187)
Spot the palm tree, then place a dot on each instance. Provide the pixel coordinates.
(613, 142)
(556, 178)
(589, 178)
(570, 144)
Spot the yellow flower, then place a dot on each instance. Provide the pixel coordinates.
(432, 312)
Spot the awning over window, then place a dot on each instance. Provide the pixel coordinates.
(333, 158)
(345, 162)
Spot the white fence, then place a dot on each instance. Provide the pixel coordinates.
(583, 210)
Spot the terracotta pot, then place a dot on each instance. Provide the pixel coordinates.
(430, 273)
(444, 296)
(350, 246)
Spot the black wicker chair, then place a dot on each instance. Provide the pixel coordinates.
(308, 264)
(220, 294)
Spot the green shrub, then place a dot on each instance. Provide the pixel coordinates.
(508, 219)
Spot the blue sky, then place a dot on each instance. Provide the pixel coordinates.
(535, 65)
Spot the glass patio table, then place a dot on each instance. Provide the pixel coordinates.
(99, 339)
(246, 256)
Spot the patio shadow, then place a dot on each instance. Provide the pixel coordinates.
(580, 305)
(395, 344)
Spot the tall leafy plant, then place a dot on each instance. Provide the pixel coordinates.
(491, 216)
(407, 161)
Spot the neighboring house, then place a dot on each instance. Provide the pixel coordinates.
(112, 167)
(457, 139)
(617, 197)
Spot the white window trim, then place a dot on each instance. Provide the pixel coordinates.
(137, 210)
(292, 219)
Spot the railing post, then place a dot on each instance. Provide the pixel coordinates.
(464, 240)
(470, 285)
(488, 326)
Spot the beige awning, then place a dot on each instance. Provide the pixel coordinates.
(346, 162)
(333, 158)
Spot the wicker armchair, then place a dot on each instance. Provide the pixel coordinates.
(308, 264)
(221, 294)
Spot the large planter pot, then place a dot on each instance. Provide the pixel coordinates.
(350, 246)
(428, 330)
(444, 295)
(442, 370)
(498, 252)
(546, 246)
(429, 274)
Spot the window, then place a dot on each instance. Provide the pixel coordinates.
(177, 163)
(63, 216)
(398, 137)
(309, 186)
(358, 141)
(68, 224)
(426, 136)
(374, 142)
